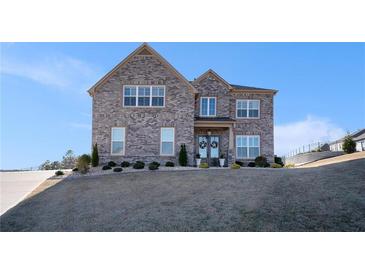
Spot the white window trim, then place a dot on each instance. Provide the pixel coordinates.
(248, 109)
(150, 86)
(215, 107)
(248, 146)
(173, 142)
(111, 142)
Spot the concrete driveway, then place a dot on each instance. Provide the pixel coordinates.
(15, 186)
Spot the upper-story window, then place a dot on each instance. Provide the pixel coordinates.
(247, 108)
(208, 106)
(144, 96)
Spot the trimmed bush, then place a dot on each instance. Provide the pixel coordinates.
(169, 164)
(118, 169)
(204, 165)
(59, 173)
(239, 163)
(112, 164)
(251, 164)
(289, 165)
(349, 145)
(278, 160)
(125, 164)
(235, 166)
(95, 156)
(261, 161)
(183, 156)
(138, 165)
(75, 169)
(156, 163)
(106, 167)
(275, 165)
(153, 166)
(83, 163)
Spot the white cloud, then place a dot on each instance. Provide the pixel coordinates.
(313, 129)
(80, 125)
(58, 71)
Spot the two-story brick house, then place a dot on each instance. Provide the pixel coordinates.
(144, 109)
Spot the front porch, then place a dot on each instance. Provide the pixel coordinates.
(214, 137)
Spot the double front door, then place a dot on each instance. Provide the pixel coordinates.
(209, 149)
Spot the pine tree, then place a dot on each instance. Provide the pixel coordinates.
(95, 156)
(183, 157)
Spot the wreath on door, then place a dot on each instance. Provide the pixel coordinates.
(203, 144)
(214, 144)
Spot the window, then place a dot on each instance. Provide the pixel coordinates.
(247, 147)
(129, 96)
(144, 96)
(247, 108)
(207, 106)
(167, 141)
(118, 140)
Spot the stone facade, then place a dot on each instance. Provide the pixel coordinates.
(182, 106)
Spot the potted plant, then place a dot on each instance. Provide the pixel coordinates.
(221, 160)
(198, 160)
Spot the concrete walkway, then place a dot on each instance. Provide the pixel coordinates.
(334, 160)
(15, 186)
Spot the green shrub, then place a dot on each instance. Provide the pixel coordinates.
(59, 173)
(275, 165)
(289, 165)
(106, 167)
(138, 165)
(261, 161)
(125, 164)
(95, 156)
(278, 160)
(169, 164)
(183, 156)
(239, 163)
(75, 169)
(83, 163)
(251, 164)
(112, 164)
(153, 166)
(156, 163)
(118, 169)
(204, 165)
(235, 166)
(349, 145)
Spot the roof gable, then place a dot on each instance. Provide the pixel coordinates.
(212, 73)
(144, 49)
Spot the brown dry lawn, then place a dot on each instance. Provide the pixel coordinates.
(328, 198)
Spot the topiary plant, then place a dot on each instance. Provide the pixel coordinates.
(156, 163)
(95, 156)
(278, 160)
(138, 165)
(183, 156)
(125, 164)
(153, 166)
(106, 167)
(349, 145)
(239, 163)
(235, 166)
(275, 165)
(118, 169)
(261, 161)
(169, 164)
(112, 164)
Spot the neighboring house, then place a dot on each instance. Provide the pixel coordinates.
(357, 136)
(144, 109)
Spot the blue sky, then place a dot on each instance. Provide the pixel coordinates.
(45, 109)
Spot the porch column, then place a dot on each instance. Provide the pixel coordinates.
(230, 146)
(231, 142)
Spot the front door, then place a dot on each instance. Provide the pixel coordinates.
(208, 148)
